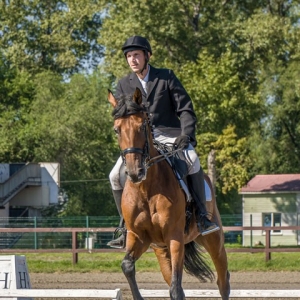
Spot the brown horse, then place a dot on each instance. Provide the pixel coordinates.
(154, 206)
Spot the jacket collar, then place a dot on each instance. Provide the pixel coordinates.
(135, 82)
(153, 78)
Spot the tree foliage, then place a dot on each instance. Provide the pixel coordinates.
(227, 54)
(237, 59)
(43, 116)
(68, 118)
(50, 35)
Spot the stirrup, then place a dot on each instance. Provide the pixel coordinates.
(210, 230)
(119, 239)
(205, 226)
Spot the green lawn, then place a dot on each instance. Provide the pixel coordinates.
(111, 262)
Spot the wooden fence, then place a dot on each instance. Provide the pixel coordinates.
(74, 250)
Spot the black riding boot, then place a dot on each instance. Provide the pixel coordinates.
(120, 233)
(197, 189)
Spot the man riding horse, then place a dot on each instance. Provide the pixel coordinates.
(173, 119)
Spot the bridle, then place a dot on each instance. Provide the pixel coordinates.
(145, 152)
(147, 161)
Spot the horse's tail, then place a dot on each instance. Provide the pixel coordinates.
(194, 263)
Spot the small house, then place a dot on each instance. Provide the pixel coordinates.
(272, 200)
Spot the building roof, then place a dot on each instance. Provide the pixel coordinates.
(273, 183)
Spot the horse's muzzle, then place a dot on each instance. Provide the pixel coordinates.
(136, 176)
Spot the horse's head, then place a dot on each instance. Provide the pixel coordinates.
(131, 125)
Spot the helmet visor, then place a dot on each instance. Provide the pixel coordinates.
(132, 48)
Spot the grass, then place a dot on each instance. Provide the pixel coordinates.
(111, 262)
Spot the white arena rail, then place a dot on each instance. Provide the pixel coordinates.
(63, 293)
(117, 294)
(233, 294)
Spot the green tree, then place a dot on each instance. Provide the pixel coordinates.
(50, 35)
(171, 26)
(16, 91)
(274, 42)
(276, 142)
(226, 105)
(43, 117)
(237, 59)
(70, 123)
(224, 53)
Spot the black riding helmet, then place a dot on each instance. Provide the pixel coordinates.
(136, 43)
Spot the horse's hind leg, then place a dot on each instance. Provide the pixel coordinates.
(214, 245)
(163, 257)
(171, 267)
(220, 262)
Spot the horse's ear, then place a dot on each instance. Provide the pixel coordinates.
(111, 98)
(137, 96)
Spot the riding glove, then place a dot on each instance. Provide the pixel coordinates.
(182, 142)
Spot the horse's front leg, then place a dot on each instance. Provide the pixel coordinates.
(128, 268)
(134, 249)
(177, 258)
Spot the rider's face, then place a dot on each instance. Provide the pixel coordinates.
(136, 60)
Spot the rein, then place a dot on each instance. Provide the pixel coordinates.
(161, 157)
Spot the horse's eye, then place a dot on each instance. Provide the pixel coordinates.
(142, 127)
(116, 130)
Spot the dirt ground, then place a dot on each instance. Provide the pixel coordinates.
(239, 280)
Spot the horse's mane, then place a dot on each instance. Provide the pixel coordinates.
(126, 106)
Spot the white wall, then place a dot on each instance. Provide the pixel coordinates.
(4, 172)
(4, 175)
(298, 214)
(36, 196)
(51, 179)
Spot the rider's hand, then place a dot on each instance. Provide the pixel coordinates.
(182, 142)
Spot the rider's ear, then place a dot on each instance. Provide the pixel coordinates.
(137, 96)
(111, 98)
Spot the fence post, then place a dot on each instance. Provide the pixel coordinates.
(268, 244)
(74, 246)
(35, 234)
(251, 235)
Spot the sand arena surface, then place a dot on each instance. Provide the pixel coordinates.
(149, 280)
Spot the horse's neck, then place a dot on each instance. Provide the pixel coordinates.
(153, 151)
(159, 170)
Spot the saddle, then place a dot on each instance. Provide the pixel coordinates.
(178, 163)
